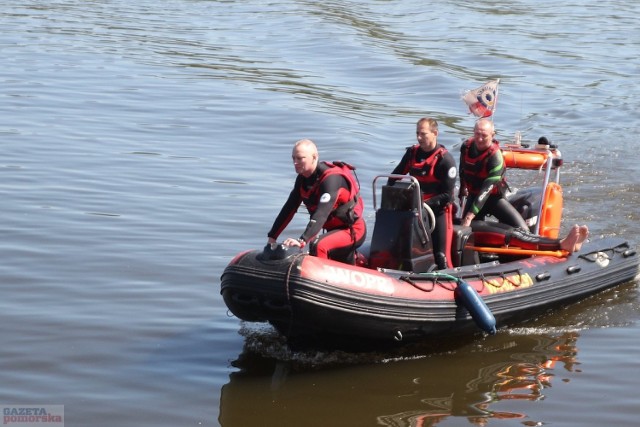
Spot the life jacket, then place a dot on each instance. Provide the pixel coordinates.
(349, 206)
(424, 171)
(475, 170)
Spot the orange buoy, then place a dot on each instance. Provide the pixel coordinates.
(525, 159)
(551, 213)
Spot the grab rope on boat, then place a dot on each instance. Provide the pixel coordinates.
(504, 276)
(607, 254)
(497, 280)
(466, 295)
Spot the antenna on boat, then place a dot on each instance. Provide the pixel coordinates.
(517, 140)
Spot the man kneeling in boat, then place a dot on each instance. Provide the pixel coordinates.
(495, 234)
(331, 194)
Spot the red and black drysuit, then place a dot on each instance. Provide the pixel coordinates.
(500, 235)
(331, 195)
(482, 177)
(436, 173)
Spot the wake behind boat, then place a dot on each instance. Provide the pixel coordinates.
(394, 294)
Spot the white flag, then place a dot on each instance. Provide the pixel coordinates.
(483, 100)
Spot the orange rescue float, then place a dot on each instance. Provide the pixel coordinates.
(551, 213)
(519, 158)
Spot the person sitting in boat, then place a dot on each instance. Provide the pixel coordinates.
(435, 169)
(482, 179)
(495, 234)
(331, 194)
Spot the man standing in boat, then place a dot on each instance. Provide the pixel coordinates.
(435, 169)
(482, 179)
(331, 194)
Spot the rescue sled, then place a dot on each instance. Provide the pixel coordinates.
(394, 294)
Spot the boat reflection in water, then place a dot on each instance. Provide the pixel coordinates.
(448, 381)
(466, 382)
(505, 380)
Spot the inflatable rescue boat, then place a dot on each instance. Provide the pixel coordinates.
(394, 294)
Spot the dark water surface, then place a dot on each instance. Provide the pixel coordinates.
(144, 143)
